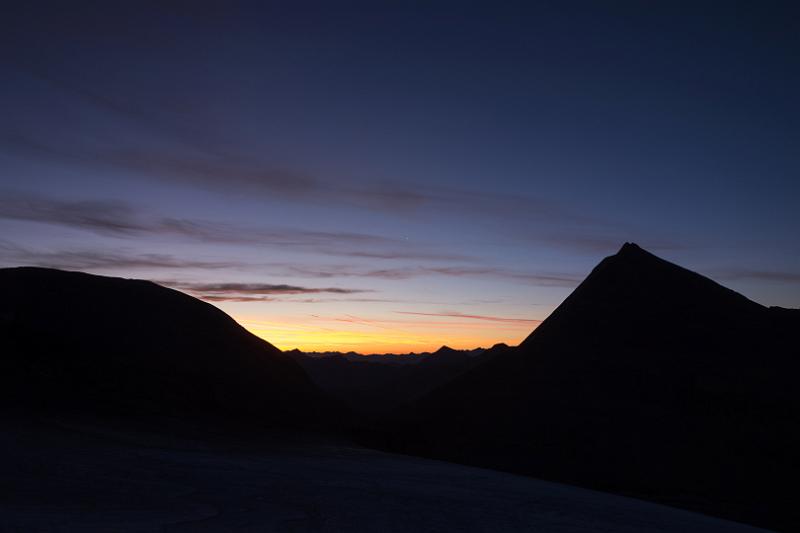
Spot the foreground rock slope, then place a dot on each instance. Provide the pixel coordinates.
(74, 341)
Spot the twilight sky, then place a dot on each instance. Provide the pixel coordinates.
(397, 176)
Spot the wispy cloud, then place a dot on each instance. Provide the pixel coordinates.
(246, 299)
(406, 254)
(536, 278)
(115, 217)
(105, 217)
(733, 274)
(241, 174)
(15, 255)
(487, 318)
(258, 288)
(121, 219)
(224, 172)
(235, 298)
(402, 273)
(598, 240)
(220, 171)
(186, 155)
(256, 292)
(179, 151)
(12, 254)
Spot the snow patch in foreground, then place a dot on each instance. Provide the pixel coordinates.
(78, 480)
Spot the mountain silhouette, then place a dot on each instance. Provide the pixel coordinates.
(365, 387)
(74, 341)
(380, 383)
(648, 380)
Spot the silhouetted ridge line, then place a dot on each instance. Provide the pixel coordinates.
(380, 383)
(77, 341)
(634, 281)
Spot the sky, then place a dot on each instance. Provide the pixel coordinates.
(395, 176)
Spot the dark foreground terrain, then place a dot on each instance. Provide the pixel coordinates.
(85, 475)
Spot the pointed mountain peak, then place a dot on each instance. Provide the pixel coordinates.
(634, 282)
(631, 255)
(629, 248)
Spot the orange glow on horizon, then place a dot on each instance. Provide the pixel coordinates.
(416, 334)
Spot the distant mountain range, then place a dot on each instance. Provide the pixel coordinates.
(74, 341)
(389, 358)
(380, 383)
(648, 380)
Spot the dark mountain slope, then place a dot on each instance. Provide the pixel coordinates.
(365, 387)
(81, 342)
(378, 387)
(648, 380)
(443, 366)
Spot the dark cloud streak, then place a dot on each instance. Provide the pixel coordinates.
(119, 219)
(12, 254)
(404, 273)
(488, 318)
(214, 166)
(735, 274)
(257, 288)
(257, 292)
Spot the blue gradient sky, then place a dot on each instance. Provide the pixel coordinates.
(393, 177)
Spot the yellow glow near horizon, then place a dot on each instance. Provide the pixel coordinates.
(360, 335)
